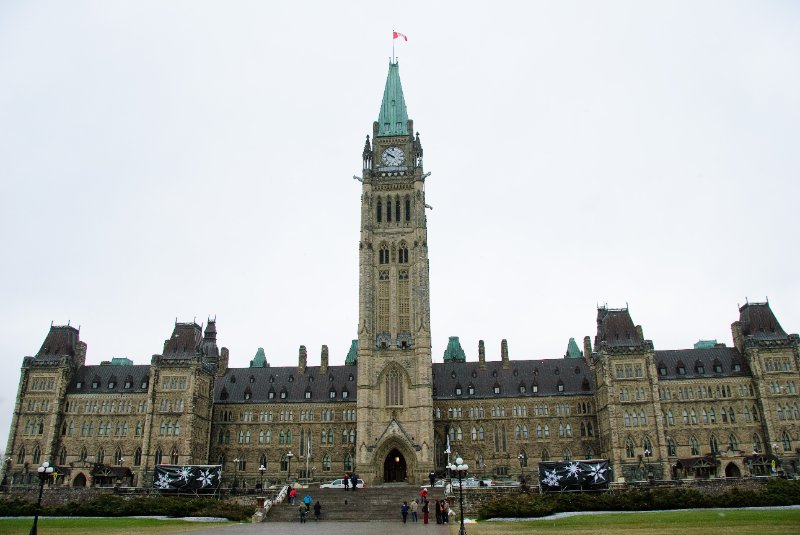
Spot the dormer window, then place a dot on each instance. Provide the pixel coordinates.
(681, 368)
(496, 389)
(271, 394)
(560, 386)
(233, 378)
(736, 367)
(522, 389)
(223, 395)
(662, 370)
(79, 385)
(458, 390)
(471, 390)
(332, 393)
(252, 379)
(345, 394)
(128, 384)
(534, 388)
(248, 393)
(112, 384)
(717, 366)
(283, 394)
(699, 368)
(308, 394)
(95, 384)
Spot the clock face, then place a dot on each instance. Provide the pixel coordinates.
(393, 156)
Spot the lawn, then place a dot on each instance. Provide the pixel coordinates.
(75, 526)
(696, 522)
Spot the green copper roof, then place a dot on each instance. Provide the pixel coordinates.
(352, 355)
(573, 351)
(705, 344)
(393, 118)
(260, 360)
(121, 361)
(454, 353)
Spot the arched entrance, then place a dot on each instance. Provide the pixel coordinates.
(394, 467)
(732, 470)
(79, 481)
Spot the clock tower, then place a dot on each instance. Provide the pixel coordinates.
(395, 408)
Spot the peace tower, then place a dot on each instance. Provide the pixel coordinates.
(395, 416)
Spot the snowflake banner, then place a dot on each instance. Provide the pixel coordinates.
(574, 475)
(189, 478)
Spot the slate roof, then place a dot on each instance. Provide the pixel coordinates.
(103, 373)
(545, 373)
(279, 378)
(725, 356)
(759, 322)
(60, 340)
(184, 342)
(615, 328)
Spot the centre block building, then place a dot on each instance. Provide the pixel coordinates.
(389, 411)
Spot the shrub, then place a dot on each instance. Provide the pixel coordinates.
(776, 492)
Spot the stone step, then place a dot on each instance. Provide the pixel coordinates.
(370, 503)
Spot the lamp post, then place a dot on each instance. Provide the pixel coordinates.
(461, 469)
(44, 472)
(647, 455)
(261, 470)
(521, 458)
(236, 473)
(289, 466)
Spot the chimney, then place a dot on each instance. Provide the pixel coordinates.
(481, 354)
(504, 353)
(587, 348)
(222, 363)
(323, 359)
(738, 336)
(302, 361)
(640, 332)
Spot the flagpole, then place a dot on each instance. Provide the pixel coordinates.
(308, 454)
(392, 46)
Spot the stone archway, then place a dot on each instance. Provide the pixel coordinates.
(79, 481)
(394, 467)
(732, 470)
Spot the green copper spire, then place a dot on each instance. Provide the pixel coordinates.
(352, 356)
(454, 353)
(260, 360)
(572, 350)
(393, 118)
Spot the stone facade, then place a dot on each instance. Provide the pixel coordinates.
(389, 412)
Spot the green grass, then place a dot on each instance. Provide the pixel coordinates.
(74, 526)
(696, 522)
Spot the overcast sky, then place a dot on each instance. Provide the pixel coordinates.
(164, 160)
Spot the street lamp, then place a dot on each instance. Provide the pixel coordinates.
(236, 473)
(461, 468)
(521, 458)
(289, 465)
(647, 455)
(261, 470)
(44, 472)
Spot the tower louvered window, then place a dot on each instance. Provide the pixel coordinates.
(383, 302)
(394, 388)
(403, 301)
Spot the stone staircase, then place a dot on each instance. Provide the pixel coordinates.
(381, 502)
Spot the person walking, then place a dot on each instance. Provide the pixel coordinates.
(302, 514)
(292, 495)
(317, 510)
(432, 477)
(354, 481)
(445, 512)
(404, 511)
(425, 509)
(307, 501)
(346, 481)
(413, 509)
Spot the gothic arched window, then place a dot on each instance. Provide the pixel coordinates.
(394, 388)
(379, 211)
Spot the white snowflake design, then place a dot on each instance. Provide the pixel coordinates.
(596, 472)
(185, 473)
(163, 482)
(206, 478)
(573, 469)
(551, 479)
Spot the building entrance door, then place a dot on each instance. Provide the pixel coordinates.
(394, 467)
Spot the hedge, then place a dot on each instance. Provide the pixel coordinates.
(776, 492)
(109, 505)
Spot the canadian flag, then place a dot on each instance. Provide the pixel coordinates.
(395, 35)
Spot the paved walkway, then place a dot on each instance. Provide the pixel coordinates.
(330, 528)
